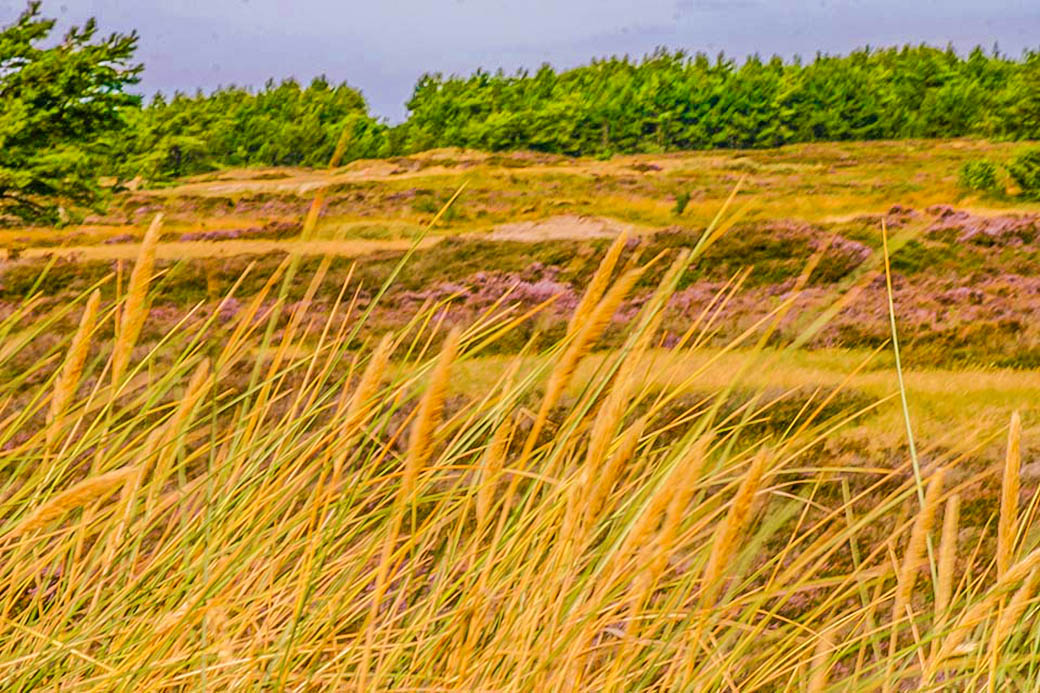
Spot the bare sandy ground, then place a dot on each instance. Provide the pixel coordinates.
(563, 227)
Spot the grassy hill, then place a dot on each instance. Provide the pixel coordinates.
(229, 454)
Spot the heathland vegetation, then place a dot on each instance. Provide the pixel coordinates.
(757, 419)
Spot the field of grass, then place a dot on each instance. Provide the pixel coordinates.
(654, 451)
(815, 183)
(952, 409)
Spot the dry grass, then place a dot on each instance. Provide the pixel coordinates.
(949, 407)
(178, 250)
(338, 521)
(822, 182)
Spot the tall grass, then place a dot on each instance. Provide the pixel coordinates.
(268, 504)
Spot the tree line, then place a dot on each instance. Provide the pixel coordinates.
(676, 100)
(282, 124)
(68, 114)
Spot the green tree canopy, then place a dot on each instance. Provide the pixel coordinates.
(282, 124)
(57, 104)
(673, 100)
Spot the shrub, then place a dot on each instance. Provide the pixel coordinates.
(681, 200)
(1024, 169)
(978, 175)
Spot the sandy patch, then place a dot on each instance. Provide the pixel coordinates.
(564, 227)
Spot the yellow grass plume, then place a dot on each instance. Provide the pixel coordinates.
(80, 494)
(428, 416)
(728, 532)
(135, 309)
(360, 406)
(1007, 526)
(591, 328)
(598, 283)
(913, 559)
(68, 379)
(947, 562)
(820, 665)
(491, 464)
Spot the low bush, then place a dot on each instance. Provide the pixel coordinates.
(681, 200)
(978, 176)
(1024, 169)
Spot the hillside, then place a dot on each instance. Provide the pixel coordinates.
(966, 266)
(393, 198)
(776, 337)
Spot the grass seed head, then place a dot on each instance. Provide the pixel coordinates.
(68, 379)
(733, 525)
(1007, 527)
(420, 445)
(80, 494)
(135, 307)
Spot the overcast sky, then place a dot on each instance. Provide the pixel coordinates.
(382, 46)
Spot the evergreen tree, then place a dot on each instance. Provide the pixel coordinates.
(56, 105)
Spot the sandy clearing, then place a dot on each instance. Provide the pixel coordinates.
(563, 227)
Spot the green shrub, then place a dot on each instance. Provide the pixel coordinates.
(1024, 169)
(425, 204)
(681, 200)
(979, 175)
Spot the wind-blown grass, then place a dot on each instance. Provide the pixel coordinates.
(338, 518)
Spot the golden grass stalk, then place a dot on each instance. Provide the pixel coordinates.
(649, 519)
(608, 417)
(598, 283)
(79, 495)
(491, 464)
(1007, 527)
(428, 416)
(603, 483)
(820, 665)
(680, 489)
(361, 404)
(980, 611)
(613, 408)
(128, 496)
(177, 425)
(913, 558)
(678, 505)
(68, 380)
(135, 309)
(591, 329)
(359, 407)
(947, 562)
(420, 447)
(1009, 621)
(727, 533)
(196, 388)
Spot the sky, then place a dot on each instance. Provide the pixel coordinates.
(383, 46)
